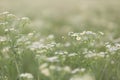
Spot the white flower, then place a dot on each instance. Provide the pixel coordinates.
(45, 71)
(52, 59)
(4, 23)
(101, 33)
(84, 77)
(72, 54)
(101, 54)
(36, 45)
(6, 12)
(70, 33)
(75, 34)
(43, 66)
(108, 46)
(6, 49)
(12, 29)
(112, 62)
(25, 18)
(11, 16)
(67, 44)
(26, 75)
(2, 38)
(30, 34)
(75, 70)
(67, 69)
(83, 33)
(78, 38)
(52, 67)
(51, 36)
(90, 55)
(82, 69)
(6, 30)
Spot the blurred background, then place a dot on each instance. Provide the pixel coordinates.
(59, 17)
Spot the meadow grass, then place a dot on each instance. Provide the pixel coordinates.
(28, 54)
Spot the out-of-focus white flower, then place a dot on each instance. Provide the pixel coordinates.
(78, 38)
(5, 52)
(26, 75)
(70, 33)
(30, 34)
(112, 62)
(101, 54)
(117, 45)
(58, 68)
(108, 46)
(82, 69)
(112, 48)
(25, 18)
(11, 16)
(61, 53)
(6, 30)
(52, 67)
(93, 54)
(12, 29)
(2, 38)
(67, 44)
(43, 66)
(75, 70)
(52, 59)
(90, 54)
(6, 49)
(36, 45)
(90, 32)
(4, 23)
(51, 36)
(101, 33)
(6, 12)
(45, 71)
(83, 33)
(75, 34)
(72, 54)
(67, 69)
(84, 77)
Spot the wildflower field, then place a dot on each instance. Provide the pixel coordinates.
(59, 40)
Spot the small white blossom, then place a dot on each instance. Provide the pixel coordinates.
(45, 71)
(6, 12)
(84, 77)
(4, 23)
(2, 38)
(26, 75)
(101, 33)
(43, 66)
(30, 34)
(6, 30)
(112, 62)
(51, 36)
(12, 29)
(75, 70)
(25, 18)
(72, 54)
(78, 38)
(67, 69)
(52, 67)
(82, 69)
(67, 44)
(11, 16)
(53, 59)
